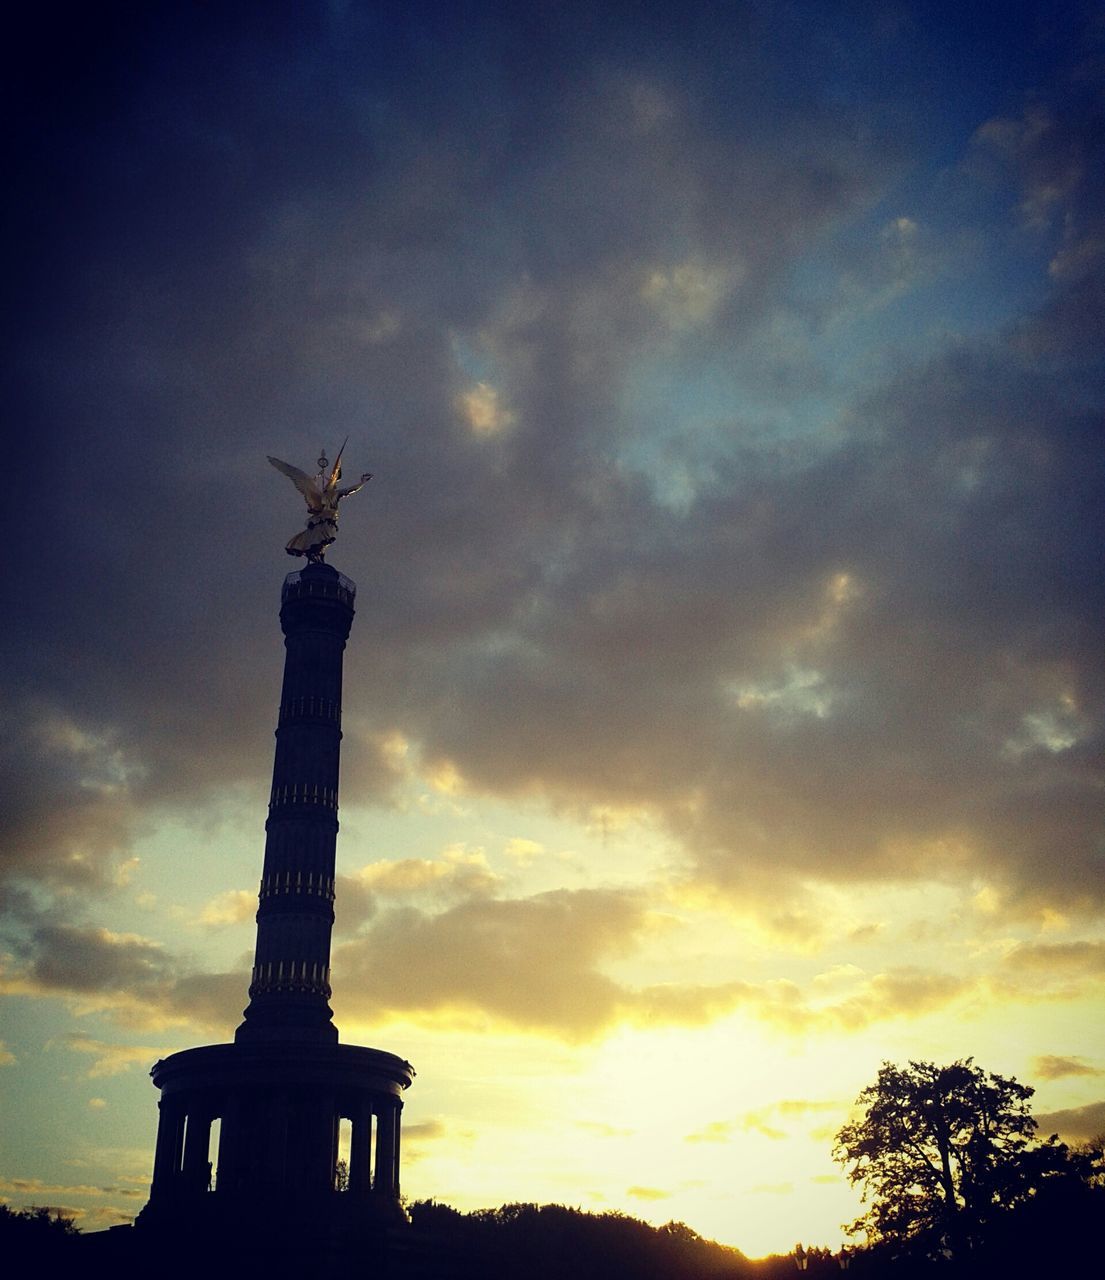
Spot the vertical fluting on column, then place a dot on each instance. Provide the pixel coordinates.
(290, 989)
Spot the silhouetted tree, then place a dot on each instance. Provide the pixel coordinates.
(548, 1242)
(35, 1236)
(943, 1151)
(1094, 1150)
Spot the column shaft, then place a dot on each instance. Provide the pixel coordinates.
(197, 1146)
(384, 1184)
(360, 1152)
(170, 1133)
(290, 989)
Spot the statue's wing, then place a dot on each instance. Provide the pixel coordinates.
(302, 481)
(344, 493)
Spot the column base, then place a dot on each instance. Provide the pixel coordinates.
(274, 1173)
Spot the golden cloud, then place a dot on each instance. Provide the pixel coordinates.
(1058, 959)
(529, 962)
(523, 851)
(715, 1131)
(764, 1120)
(648, 1193)
(109, 1059)
(1051, 1067)
(235, 906)
(1075, 1124)
(459, 869)
(539, 964)
(25, 1187)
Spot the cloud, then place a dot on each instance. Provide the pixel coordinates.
(234, 906)
(426, 1131)
(530, 962)
(24, 1187)
(763, 1120)
(523, 851)
(1075, 1124)
(417, 1138)
(905, 992)
(715, 1131)
(459, 871)
(141, 983)
(1051, 1067)
(209, 1001)
(756, 1123)
(480, 408)
(895, 771)
(690, 293)
(540, 964)
(1061, 970)
(1058, 958)
(109, 1059)
(66, 796)
(648, 1193)
(93, 959)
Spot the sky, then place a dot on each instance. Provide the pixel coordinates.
(724, 705)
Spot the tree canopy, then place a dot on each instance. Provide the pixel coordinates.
(942, 1152)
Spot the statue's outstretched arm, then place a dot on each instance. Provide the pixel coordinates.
(344, 493)
(302, 481)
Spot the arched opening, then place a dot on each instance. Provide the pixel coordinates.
(213, 1152)
(344, 1154)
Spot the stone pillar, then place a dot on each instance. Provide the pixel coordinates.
(230, 1145)
(324, 1142)
(170, 1134)
(384, 1184)
(335, 1144)
(398, 1131)
(360, 1149)
(197, 1145)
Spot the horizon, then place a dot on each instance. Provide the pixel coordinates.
(724, 706)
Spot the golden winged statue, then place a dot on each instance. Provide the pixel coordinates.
(322, 496)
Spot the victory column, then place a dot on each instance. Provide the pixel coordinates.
(283, 1087)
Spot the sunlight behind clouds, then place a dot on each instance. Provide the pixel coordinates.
(482, 410)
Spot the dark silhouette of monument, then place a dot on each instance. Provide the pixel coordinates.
(281, 1090)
